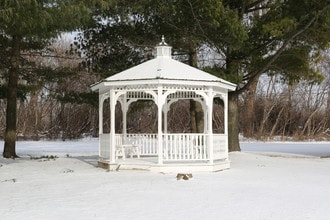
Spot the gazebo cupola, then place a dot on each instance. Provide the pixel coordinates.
(164, 81)
(163, 50)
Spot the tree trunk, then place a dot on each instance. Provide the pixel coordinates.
(196, 110)
(233, 125)
(248, 113)
(268, 108)
(9, 150)
(193, 123)
(328, 107)
(279, 116)
(196, 117)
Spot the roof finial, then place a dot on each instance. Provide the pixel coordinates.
(163, 43)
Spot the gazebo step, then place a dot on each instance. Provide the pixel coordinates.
(166, 168)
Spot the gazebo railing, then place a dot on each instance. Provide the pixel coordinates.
(147, 142)
(220, 147)
(185, 147)
(176, 147)
(104, 147)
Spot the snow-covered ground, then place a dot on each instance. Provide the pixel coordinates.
(266, 181)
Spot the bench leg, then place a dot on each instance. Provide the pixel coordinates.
(121, 152)
(134, 151)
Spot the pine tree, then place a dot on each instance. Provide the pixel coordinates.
(30, 25)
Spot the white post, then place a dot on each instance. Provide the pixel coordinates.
(225, 110)
(204, 107)
(160, 103)
(124, 109)
(112, 126)
(101, 100)
(166, 109)
(209, 123)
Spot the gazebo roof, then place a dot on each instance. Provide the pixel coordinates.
(163, 69)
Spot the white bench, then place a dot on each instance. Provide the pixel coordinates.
(130, 149)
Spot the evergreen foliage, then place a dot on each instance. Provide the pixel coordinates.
(250, 38)
(28, 26)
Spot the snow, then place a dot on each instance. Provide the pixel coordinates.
(318, 149)
(266, 181)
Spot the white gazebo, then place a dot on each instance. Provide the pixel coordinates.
(164, 81)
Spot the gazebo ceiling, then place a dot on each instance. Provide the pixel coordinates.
(164, 70)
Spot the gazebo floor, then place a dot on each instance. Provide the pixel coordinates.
(150, 164)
